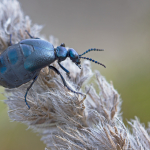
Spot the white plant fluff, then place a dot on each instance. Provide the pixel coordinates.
(65, 120)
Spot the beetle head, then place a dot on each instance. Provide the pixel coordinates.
(74, 56)
(62, 54)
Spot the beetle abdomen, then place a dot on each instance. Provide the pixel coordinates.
(38, 43)
(12, 71)
(42, 56)
(39, 59)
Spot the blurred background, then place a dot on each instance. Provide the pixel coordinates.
(122, 28)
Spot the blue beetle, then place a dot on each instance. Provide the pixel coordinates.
(22, 62)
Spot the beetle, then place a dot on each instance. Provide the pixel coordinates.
(22, 62)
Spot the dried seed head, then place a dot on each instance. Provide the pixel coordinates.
(63, 119)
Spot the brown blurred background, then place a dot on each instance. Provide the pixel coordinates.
(122, 28)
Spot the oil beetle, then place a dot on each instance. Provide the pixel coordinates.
(22, 62)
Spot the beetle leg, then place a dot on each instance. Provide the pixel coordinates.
(10, 40)
(28, 90)
(64, 82)
(29, 34)
(67, 72)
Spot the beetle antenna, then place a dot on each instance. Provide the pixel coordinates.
(92, 49)
(93, 61)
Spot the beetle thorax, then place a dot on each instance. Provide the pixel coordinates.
(61, 53)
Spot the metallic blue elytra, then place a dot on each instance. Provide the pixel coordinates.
(38, 43)
(26, 49)
(39, 59)
(2, 65)
(22, 62)
(13, 56)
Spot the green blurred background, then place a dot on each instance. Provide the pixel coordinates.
(122, 28)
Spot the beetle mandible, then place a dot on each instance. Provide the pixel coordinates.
(22, 62)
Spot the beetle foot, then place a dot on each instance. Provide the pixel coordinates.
(27, 105)
(68, 75)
